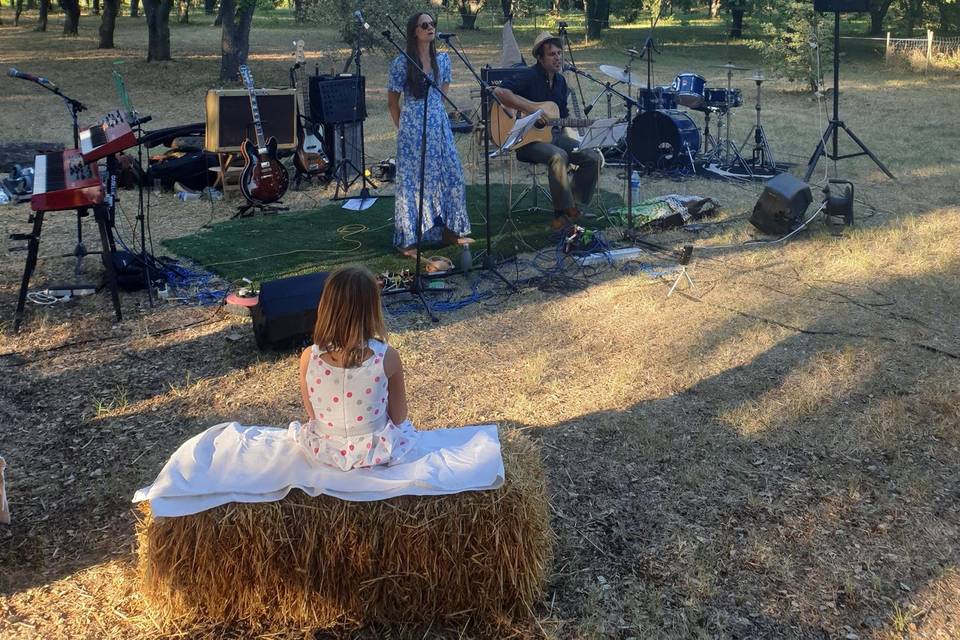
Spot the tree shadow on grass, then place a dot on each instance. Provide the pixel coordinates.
(806, 493)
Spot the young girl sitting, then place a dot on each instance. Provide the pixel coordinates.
(351, 381)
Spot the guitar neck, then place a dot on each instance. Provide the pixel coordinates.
(304, 90)
(574, 123)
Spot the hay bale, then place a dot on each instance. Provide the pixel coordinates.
(477, 558)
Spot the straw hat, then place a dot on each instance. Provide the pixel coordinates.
(542, 39)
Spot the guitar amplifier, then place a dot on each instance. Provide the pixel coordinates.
(496, 75)
(230, 120)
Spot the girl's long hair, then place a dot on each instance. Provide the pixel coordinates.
(415, 84)
(349, 314)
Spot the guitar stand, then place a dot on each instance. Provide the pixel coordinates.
(249, 210)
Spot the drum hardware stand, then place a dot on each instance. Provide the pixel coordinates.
(762, 155)
(685, 255)
(649, 48)
(833, 128)
(486, 91)
(249, 209)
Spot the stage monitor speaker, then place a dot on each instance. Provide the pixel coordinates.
(286, 311)
(230, 120)
(337, 99)
(782, 204)
(841, 6)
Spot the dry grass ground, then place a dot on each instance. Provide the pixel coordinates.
(776, 459)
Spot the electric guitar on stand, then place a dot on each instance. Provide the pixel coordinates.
(501, 122)
(264, 179)
(310, 159)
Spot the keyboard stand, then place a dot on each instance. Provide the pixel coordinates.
(101, 215)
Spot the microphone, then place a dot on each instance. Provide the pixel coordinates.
(23, 75)
(358, 14)
(569, 67)
(445, 36)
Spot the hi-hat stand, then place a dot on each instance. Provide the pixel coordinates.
(762, 156)
(833, 128)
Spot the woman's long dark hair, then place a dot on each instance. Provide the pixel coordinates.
(415, 84)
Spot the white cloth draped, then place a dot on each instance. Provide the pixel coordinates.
(233, 463)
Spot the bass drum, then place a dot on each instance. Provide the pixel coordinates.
(663, 138)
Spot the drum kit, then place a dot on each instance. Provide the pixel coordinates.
(664, 135)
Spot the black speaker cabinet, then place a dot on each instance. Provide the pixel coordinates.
(230, 121)
(286, 311)
(336, 99)
(496, 75)
(841, 6)
(782, 204)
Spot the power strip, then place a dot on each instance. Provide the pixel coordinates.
(614, 255)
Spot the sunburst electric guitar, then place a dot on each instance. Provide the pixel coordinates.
(310, 159)
(264, 179)
(501, 122)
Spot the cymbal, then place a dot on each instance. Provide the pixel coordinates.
(757, 77)
(632, 52)
(617, 74)
(730, 66)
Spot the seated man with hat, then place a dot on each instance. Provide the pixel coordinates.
(544, 82)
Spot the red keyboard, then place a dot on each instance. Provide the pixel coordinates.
(112, 135)
(62, 181)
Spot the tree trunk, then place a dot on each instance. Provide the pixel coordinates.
(736, 28)
(158, 29)
(235, 37)
(507, 7)
(108, 22)
(603, 13)
(878, 11)
(134, 8)
(219, 20)
(209, 6)
(96, 7)
(42, 19)
(31, 5)
(183, 12)
(17, 12)
(714, 9)
(592, 11)
(469, 10)
(71, 16)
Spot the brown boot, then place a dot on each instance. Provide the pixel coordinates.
(559, 222)
(572, 214)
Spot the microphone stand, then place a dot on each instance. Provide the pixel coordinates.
(569, 50)
(416, 287)
(355, 56)
(628, 166)
(486, 90)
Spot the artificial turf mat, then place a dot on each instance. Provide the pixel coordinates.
(265, 247)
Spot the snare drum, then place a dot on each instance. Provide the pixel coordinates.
(723, 97)
(689, 88)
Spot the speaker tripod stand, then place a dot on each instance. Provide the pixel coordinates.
(836, 124)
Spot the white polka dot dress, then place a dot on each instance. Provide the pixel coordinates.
(351, 427)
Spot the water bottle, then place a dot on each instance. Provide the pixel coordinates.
(466, 259)
(184, 196)
(635, 187)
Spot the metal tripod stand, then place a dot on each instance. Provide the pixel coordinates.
(761, 157)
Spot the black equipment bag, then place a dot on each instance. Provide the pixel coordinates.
(189, 169)
(286, 311)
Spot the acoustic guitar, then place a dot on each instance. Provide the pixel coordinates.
(264, 179)
(502, 122)
(310, 158)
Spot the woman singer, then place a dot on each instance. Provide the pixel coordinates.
(444, 203)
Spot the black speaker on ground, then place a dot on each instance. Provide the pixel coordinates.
(841, 6)
(782, 204)
(287, 311)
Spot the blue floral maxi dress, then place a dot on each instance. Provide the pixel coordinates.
(444, 203)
